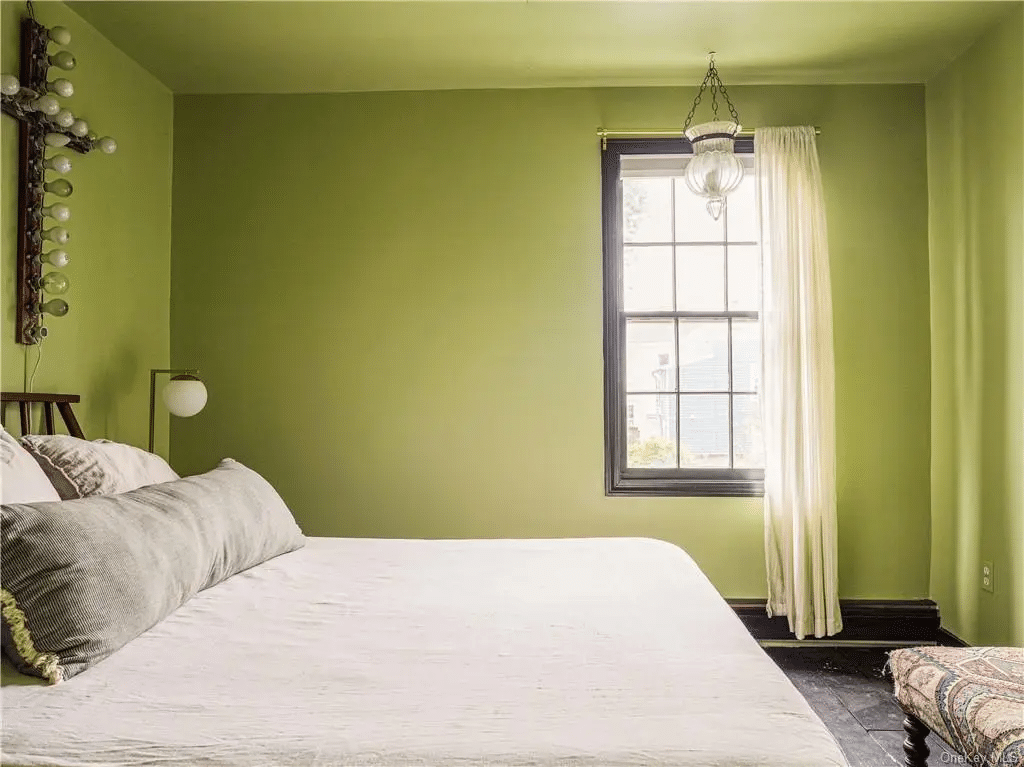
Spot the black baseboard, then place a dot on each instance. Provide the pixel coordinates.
(910, 621)
(947, 638)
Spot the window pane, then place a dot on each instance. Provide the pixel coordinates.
(746, 355)
(741, 212)
(693, 222)
(651, 431)
(748, 443)
(744, 278)
(650, 355)
(704, 430)
(703, 355)
(647, 279)
(647, 209)
(700, 278)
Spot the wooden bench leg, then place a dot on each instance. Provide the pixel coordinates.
(914, 745)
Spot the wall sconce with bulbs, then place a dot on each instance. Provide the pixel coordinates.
(184, 396)
(43, 124)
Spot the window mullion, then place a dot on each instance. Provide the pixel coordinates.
(732, 447)
(675, 327)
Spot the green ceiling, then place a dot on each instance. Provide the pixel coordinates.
(249, 46)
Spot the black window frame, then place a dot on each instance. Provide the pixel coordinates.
(620, 480)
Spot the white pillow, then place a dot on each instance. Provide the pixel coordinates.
(21, 479)
(78, 468)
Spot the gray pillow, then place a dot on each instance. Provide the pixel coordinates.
(79, 468)
(82, 578)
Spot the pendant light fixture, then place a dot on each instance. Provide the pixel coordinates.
(714, 170)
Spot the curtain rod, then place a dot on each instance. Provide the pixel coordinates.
(606, 133)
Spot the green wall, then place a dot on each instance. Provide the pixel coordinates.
(118, 326)
(975, 117)
(395, 300)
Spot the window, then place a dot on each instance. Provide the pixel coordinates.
(682, 328)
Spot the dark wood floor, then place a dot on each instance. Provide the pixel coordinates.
(847, 688)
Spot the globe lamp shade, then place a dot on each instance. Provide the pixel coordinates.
(184, 395)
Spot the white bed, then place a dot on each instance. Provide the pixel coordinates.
(603, 652)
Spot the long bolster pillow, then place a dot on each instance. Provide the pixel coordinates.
(82, 578)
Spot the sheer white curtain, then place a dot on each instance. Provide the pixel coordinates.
(797, 392)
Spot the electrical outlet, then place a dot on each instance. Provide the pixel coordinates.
(988, 577)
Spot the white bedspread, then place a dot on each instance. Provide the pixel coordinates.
(603, 652)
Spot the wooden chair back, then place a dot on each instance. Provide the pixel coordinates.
(25, 400)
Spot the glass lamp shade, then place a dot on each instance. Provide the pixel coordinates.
(79, 127)
(715, 170)
(107, 145)
(184, 395)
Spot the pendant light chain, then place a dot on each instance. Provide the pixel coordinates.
(725, 95)
(717, 86)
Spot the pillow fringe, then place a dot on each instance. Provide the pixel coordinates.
(47, 664)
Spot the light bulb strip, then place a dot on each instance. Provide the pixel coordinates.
(30, 99)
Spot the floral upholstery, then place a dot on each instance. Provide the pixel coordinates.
(972, 697)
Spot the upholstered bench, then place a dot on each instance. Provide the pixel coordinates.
(971, 697)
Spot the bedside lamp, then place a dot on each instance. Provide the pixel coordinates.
(184, 395)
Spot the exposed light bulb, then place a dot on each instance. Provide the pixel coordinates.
(61, 87)
(60, 187)
(55, 283)
(59, 163)
(64, 118)
(48, 105)
(63, 60)
(9, 85)
(58, 212)
(60, 35)
(58, 258)
(56, 139)
(58, 234)
(79, 127)
(107, 145)
(58, 307)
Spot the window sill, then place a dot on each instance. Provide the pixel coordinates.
(685, 487)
